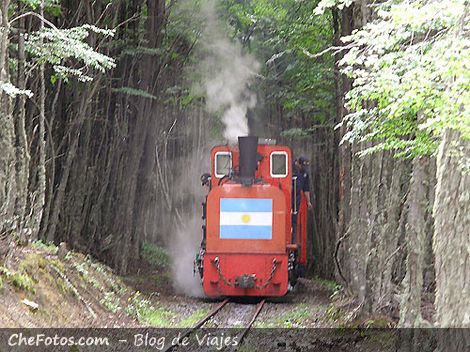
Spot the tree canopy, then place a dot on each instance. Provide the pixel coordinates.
(283, 34)
(410, 68)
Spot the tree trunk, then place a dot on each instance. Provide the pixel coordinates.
(75, 130)
(7, 154)
(417, 202)
(356, 244)
(373, 270)
(451, 241)
(389, 246)
(22, 148)
(39, 199)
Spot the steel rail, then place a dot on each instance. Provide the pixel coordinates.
(248, 327)
(199, 323)
(209, 315)
(213, 312)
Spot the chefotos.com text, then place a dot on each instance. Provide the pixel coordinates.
(16, 340)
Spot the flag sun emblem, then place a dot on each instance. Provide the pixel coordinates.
(245, 218)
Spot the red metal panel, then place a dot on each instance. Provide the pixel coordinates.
(214, 244)
(263, 172)
(284, 184)
(234, 265)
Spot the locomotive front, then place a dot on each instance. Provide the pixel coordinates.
(246, 249)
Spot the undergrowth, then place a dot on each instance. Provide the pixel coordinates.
(111, 302)
(43, 266)
(297, 317)
(329, 284)
(23, 282)
(48, 247)
(333, 313)
(146, 313)
(193, 318)
(18, 279)
(156, 256)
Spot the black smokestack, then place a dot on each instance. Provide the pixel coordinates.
(248, 147)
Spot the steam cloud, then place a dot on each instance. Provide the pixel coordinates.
(184, 248)
(187, 233)
(228, 72)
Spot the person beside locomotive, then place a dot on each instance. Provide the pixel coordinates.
(301, 183)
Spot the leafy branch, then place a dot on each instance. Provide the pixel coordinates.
(411, 76)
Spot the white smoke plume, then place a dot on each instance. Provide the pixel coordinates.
(224, 75)
(227, 74)
(185, 245)
(187, 231)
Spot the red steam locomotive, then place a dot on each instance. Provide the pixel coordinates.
(247, 247)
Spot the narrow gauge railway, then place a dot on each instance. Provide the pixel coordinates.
(212, 314)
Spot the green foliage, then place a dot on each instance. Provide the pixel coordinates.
(46, 247)
(280, 33)
(296, 317)
(323, 5)
(193, 318)
(100, 268)
(157, 317)
(295, 133)
(163, 279)
(48, 4)
(13, 91)
(180, 97)
(110, 302)
(146, 313)
(156, 256)
(333, 313)
(136, 304)
(134, 92)
(51, 7)
(32, 263)
(22, 281)
(81, 268)
(142, 50)
(411, 76)
(5, 275)
(64, 48)
(115, 284)
(329, 284)
(19, 279)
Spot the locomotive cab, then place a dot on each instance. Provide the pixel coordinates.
(247, 247)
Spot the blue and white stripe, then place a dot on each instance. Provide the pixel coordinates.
(246, 218)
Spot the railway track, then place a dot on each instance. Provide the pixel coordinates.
(213, 313)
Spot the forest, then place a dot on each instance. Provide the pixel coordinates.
(109, 109)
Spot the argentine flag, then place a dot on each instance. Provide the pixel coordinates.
(246, 218)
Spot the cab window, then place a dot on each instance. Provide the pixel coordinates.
(278, 164)
(223, 164)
